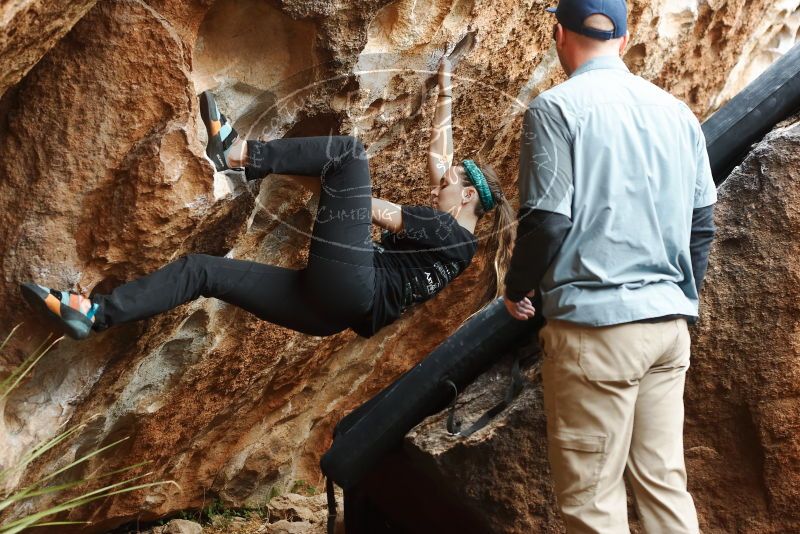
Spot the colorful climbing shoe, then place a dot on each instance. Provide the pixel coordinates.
(221, 134)
(68, 312)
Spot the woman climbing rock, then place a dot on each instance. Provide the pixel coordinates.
(349, 281)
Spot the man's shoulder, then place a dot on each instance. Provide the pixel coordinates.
(574, 94)
(687, 112)
(683, 112)
(557, 109)
(557, 100)
(650, 93)
(566, 103)
(663, 96)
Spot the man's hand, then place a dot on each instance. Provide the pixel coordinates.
(522, 310)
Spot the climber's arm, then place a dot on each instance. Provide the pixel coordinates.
(387, 215)
(440, 152)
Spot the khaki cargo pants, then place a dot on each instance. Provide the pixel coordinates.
(614, 399)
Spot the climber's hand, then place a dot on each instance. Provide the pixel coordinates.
(522, 310)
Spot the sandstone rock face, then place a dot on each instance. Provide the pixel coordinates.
(743, 399)
(30, 29)
(102, 179)
(742, 408)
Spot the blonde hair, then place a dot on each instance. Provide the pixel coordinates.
(501, 241)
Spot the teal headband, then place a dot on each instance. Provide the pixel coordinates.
(479, 181)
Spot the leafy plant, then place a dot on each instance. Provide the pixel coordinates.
(40, 487)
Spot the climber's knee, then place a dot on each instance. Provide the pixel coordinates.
(198, 271)
(346, 148)
(349, 164)
(356, 148)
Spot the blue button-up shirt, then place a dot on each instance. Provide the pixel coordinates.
(627, 163)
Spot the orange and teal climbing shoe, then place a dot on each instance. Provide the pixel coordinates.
(71, 313)
(221, 134)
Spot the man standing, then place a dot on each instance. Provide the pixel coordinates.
(615, 225)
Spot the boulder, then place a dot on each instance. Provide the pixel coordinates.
(30, 29)
(103, 179)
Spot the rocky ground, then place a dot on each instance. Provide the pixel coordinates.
(292, 513)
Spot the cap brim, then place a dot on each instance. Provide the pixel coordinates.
(551, 9)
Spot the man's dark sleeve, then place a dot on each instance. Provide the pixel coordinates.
(703, 230)
(539, 237)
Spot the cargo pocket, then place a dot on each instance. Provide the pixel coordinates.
(578, 462)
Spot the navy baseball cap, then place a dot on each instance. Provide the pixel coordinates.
(572, 13)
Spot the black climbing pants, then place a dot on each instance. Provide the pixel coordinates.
(336, 288)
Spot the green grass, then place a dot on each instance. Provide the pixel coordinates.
(214, 513)
(43, 485)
